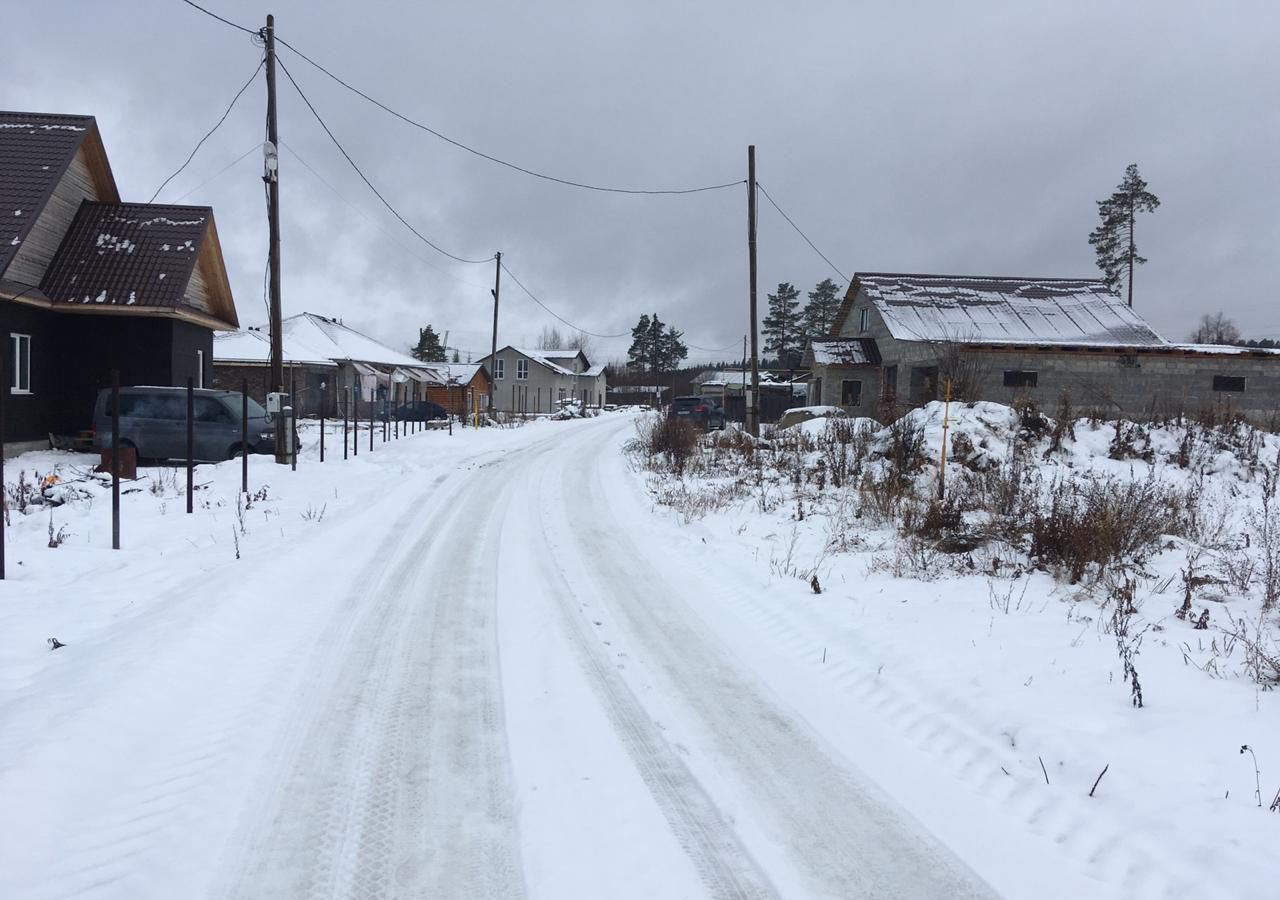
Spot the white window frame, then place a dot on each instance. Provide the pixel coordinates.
(21, 375)
(864, 320)
(499, 369)
(522, 369)
(199, 368)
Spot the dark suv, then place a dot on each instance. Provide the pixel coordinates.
(419, 411)
(703, 410)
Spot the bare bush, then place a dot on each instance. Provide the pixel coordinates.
(1103, 522)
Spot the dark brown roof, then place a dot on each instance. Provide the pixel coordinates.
(35, 149)
(127, 254)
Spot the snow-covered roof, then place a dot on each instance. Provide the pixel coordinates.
(544, 358)
(999, 310)
(842, 352)
(254, 347)
(735, 378)
(459, 373)
(1227, 350)
(593, 371)
(314, 340)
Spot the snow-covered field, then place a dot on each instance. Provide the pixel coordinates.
(493, 665)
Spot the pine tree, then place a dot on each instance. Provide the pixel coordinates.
(429, 348)
(655, 346)
(457, 357)
(782, 325)
(1113, 239)
(820, 312)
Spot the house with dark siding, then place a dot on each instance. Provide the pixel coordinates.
(90, 285)
(899, 339)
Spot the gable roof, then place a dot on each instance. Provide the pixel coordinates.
(459, 373)
(342, 343)
(35, 151)
(253, 346)
(1001, 310)
(841, 352)
(138, 255)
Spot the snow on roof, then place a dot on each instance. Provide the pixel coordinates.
(253, 346)
(340, 343)
(842, 352)
(735, 378)
(1227, 349)
(458, 373)
(594, 371)
(543, 357)
(987, 310)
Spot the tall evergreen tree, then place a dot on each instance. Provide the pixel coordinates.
(429, 347)
(782, 326)
(1113, 239)
(821, 310)
(655, 346)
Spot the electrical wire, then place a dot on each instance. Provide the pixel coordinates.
(712, 349)
(801, 233)
(214, 15)
(562, 319)
(381, 227)
(209, 134)
(228, 167)
(493, 159)
(366, 180)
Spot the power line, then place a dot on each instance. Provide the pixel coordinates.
(221, 172)
(520, 284)
(209, 134)
(366, 180)
(220, 19)
(774, 204)
(732, 346)
(494, 159)
(380, 226)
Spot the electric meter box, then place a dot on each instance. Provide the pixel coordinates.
(276, 403)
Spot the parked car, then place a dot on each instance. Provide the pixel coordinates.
(706, 411)
(419, 411)
(153, 420)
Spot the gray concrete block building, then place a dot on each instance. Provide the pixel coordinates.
(900, 339)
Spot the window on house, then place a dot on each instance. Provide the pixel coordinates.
(1019, 378)
(864, 320)
(851, 393)
(815, 392)
(1228, 383)
(522, 370)
(20, 371)
(199, 368)
(499, 369)
(891, 381)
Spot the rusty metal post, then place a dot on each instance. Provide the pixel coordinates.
(191, 440)
(244, 436)
(115, 461)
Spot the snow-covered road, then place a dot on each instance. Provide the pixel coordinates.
(488, 684)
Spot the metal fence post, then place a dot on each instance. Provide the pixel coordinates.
(322, 399)
(244, 436)
(191, 439)
(4, 389)
(345, 412)
(115, 461)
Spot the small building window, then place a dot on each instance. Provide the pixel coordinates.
(864, 320)
(20, 371)
(1228, 383)
(522, 369)
(499, 368)
(1129, 361)
(851, 393)
(1019, 378)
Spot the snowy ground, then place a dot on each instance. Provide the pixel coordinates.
(490, 665)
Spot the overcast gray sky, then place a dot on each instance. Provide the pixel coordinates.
(935, 137)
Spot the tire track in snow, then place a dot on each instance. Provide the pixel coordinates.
(397, 777)
(706, 836)
(842, 834)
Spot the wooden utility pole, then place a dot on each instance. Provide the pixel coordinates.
(493, 345)
(753, 408)
(271, 175)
